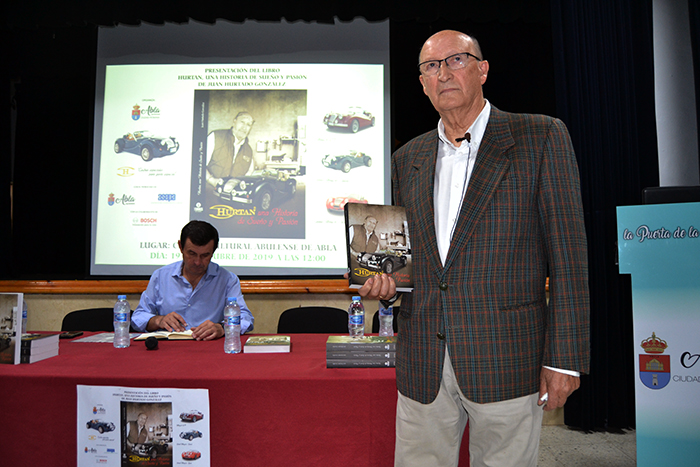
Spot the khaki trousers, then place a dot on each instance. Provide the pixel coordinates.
(501, 434)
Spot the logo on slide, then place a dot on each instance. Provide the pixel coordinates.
(136, 113)
(654, 368)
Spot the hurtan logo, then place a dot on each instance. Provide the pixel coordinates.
(126, 171)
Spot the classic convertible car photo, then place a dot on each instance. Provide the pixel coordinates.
(151, 450)
(191, 416)
(191, 455)
(146, 145)
(261, 189)
(353, 118)
(386, 261)
(100, 426)
(190, 435)
(337, 203)
(346, 162)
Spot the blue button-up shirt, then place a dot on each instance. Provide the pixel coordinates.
(168, 291)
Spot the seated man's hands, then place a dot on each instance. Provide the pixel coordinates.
(207, 331)
(170, 322)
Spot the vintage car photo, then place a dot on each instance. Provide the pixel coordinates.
(190, 435)
(354, 119)
(261, 189)
(337, 203)
(151, 450)
(146, 145)
(386, 261)
(346, 162)
(191, 455)
(191, 416)
(100, 426)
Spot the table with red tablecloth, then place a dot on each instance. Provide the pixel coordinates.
(265, 409)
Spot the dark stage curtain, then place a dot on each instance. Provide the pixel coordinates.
(605, 94)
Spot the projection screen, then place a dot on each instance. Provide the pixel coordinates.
(264, 130)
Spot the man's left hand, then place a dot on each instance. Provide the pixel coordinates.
(558, 386)
(378, 287)
(207, 331)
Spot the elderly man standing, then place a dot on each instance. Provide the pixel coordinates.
(478, 341)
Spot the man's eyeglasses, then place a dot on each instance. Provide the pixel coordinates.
(453, 62)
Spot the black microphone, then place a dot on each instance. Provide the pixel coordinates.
(466, 136)
(152, 343)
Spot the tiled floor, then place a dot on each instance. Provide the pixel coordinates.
(563, 447)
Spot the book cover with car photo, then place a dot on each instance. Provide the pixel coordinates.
(378, 242)
(10, 327)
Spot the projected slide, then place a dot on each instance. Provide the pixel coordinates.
(267, 153)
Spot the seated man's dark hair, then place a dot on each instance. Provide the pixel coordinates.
(200, 233)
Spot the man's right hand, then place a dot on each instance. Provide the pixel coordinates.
(170, 322)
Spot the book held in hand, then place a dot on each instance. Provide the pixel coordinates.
(267, 344)
(378, 242)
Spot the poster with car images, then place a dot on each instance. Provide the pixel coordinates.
(123, 426)
(269, 155)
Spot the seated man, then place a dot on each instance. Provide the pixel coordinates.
(191, 294)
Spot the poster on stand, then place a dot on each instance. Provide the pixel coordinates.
(121, 426)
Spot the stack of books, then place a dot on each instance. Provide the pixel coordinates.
(361, 352)
(36, 347)
(267, 344)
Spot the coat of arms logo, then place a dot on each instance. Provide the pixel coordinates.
(654, 368)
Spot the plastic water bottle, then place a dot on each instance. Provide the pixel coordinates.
(24, 317)
(232, 326)
(386, 321)
(356, 317)
(122, 320)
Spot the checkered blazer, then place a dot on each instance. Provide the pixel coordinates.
(521, 220)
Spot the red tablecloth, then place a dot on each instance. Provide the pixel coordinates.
(266, 409)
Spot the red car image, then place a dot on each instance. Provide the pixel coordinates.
(353, 118)
(337, 203)
(191, 455)
(191, 416)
